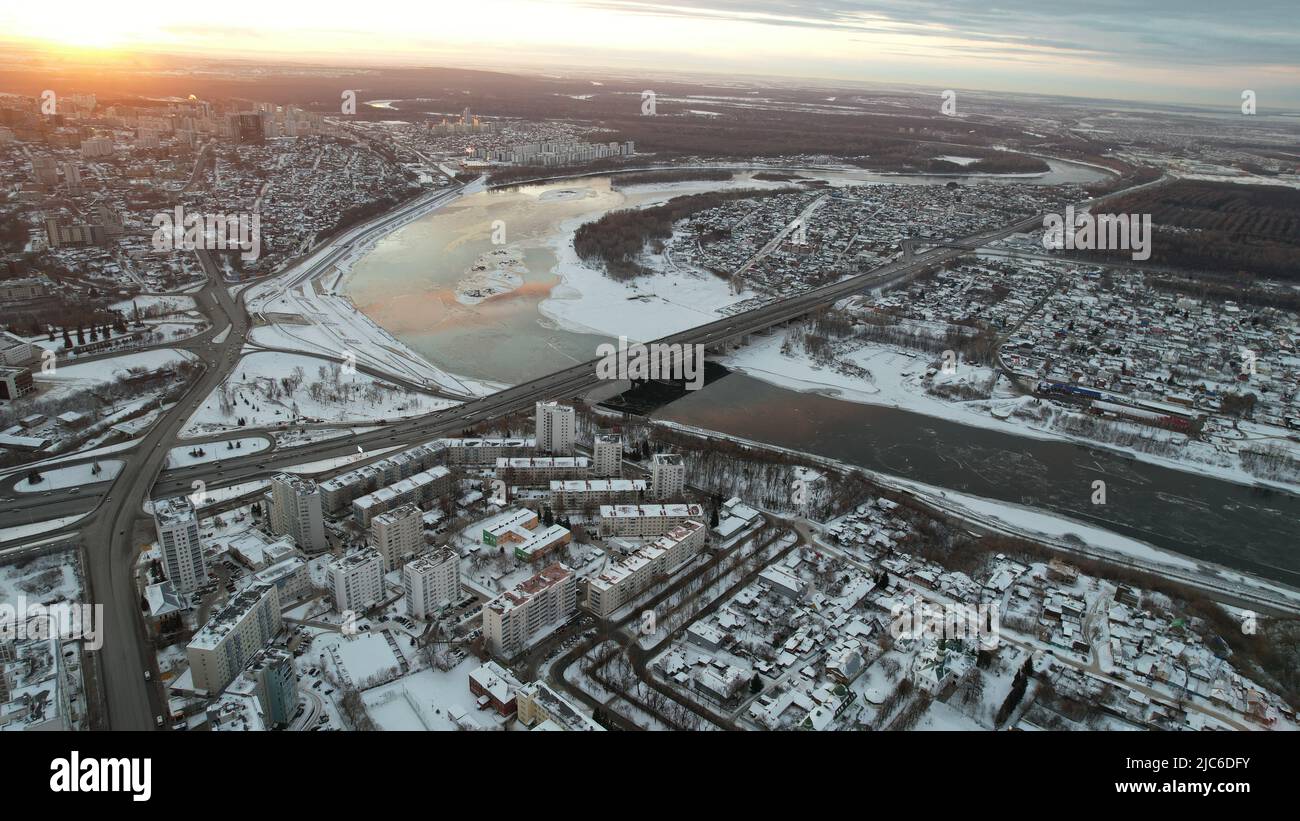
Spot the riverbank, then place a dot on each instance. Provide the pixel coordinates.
(1066, 535)
(675, 299)
(898, 381)
(304, 309)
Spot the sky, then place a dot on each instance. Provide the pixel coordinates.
(1164, 51)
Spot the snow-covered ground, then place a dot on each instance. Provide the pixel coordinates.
(424, 700)
(43, 580)
(313, 316)
(68, 379)
(114, 448)
(214, 451)
(587, 301)
(897, 380)
(72, 476)
(36, 528)
(336, 462)
(257, 393)
(158, 304)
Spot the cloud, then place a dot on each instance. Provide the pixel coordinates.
(1167, 33)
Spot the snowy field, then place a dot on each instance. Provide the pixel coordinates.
(257, 392)
(41, 580)
(68, 379)
(648, 307)
(154, 304)
(425, 699)
(73, 476)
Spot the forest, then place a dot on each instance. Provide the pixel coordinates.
(1221, 226)
(618, 238)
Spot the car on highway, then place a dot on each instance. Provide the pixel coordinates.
(157, 720)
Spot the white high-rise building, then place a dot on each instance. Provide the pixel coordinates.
(296, 511)
(607, 455)
(397, 535)
(667, 476)
(432, 582)
(178, 533)
(556, 424)
(357, 580)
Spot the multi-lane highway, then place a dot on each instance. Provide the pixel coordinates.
(108, 535)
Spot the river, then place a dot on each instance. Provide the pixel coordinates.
(407, 285)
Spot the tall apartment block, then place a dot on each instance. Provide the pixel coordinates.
(272, 679)
(221, 649)
(432, 582)
(357, 580)
(607, 455)
(178, 533)
(296, 511)
(517, 618)
(667, 476)
(397, 535)
(556, 424)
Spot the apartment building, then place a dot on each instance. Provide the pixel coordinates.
(290, 576)
(541, 708)
(667, 476)
(622, 582)
(607, 455)
(486, 452)
(517, 618)
(272, 680)
(539, 470)
(339, 491)
(397, 535)
(297, 511)
(178, 534)
(357, 580)
(432, 582)
(418, 489)
(556, 427)
(645, 521)
(235, 633)
(580, 494)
